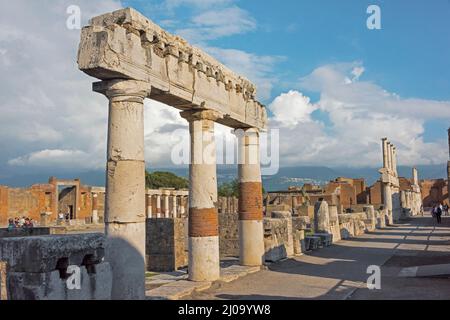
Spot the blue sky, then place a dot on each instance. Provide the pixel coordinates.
(408, 56)
(332, 87)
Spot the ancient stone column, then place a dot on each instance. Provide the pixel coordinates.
(321, 217)
(387, 194)
(204, 263)
(149, 206)
(389, 158)
(394, 160)
(166, 206)
(174, 206)
(250, 207)
(385, 153)
(158, 206)
(182, 204)
(94, 208)
(125, 187)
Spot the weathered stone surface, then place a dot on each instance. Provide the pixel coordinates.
(321, 217)
(177, 290)
(41, 254)
(166, 244)
(299, 242)
(334, 223)
(286, 215)
(276, 239)
(3, 286)
(326, 238)
(125, 44)
(50, 285)
(313, 242)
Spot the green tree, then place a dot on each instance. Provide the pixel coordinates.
(159, 179)
(231, 189)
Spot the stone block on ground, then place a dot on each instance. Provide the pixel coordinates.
(313, 242)
(326, 238)
(41, 254)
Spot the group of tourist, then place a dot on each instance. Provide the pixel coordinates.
(18, 222)
(439, 210)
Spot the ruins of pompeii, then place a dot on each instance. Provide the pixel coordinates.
(129, 242)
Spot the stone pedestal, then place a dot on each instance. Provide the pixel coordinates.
(251, 229)
(321, 217)
(125, 187)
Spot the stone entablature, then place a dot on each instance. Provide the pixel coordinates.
(124, 44)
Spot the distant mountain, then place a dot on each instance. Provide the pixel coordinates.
(286, 177)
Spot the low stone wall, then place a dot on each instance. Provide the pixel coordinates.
(39, 268)
(166, 247)
(28, 232)
(228, 227)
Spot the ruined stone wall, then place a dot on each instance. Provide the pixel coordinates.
(30, 202)
(228, 226)
(28, 232)
(3, 205)
(376, 194)
(433, 192)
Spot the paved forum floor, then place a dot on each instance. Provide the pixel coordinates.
(339, 271)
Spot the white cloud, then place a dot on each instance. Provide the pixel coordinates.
(61, 159)
(359, 113)
(292, 108)
(218, 23)
(47, 103)
(258, 69)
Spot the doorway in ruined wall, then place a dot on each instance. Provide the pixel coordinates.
(67, 202)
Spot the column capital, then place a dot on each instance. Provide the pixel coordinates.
(120, 88)
(196, 115)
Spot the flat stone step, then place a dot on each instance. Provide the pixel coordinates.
(176, 290)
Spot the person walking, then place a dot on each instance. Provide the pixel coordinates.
(439, 214)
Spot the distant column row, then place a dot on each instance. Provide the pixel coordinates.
(167, 203)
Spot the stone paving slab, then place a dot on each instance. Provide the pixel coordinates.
(436, 270)
(175, 287)
(176, 290)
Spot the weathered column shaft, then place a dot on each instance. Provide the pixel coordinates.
(149, 206)
(125, 188)
(182, 204)
(166, 206)
(158, 206)
(251, 229)
(387, 193)
(94, 208)
(174, 206)
(394, 161)
(385, 153)
(389, 152)
(204, 261)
